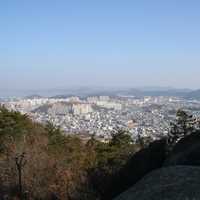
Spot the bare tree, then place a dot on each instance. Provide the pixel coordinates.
(20, 164)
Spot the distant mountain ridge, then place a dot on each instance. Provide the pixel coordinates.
(193, 95)
(141, 92)
(171, 92)
(113, 92)
(138, 93)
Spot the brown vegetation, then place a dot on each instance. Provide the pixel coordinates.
(39, 162)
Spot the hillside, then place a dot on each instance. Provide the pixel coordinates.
(38, 162)
(54, 166)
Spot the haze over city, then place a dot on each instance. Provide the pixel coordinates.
(48, 44)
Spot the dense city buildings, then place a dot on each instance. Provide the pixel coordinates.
(146, 116)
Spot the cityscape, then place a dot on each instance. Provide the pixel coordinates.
(147, 116)
(100, 100)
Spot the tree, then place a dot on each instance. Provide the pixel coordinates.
(184, 125)
(20, 164)
(121, 138)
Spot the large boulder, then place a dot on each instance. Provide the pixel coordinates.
(178, 177)
(171, 183)
(143, 162)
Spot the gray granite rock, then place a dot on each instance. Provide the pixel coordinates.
(170, 183)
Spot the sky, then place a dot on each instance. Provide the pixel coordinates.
(111, 43)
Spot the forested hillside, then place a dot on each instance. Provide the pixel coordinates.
(39, 162)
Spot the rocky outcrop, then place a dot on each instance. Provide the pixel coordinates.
(177, 179)
(138, 166)
(171, 183)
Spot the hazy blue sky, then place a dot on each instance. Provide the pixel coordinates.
(58, 43)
